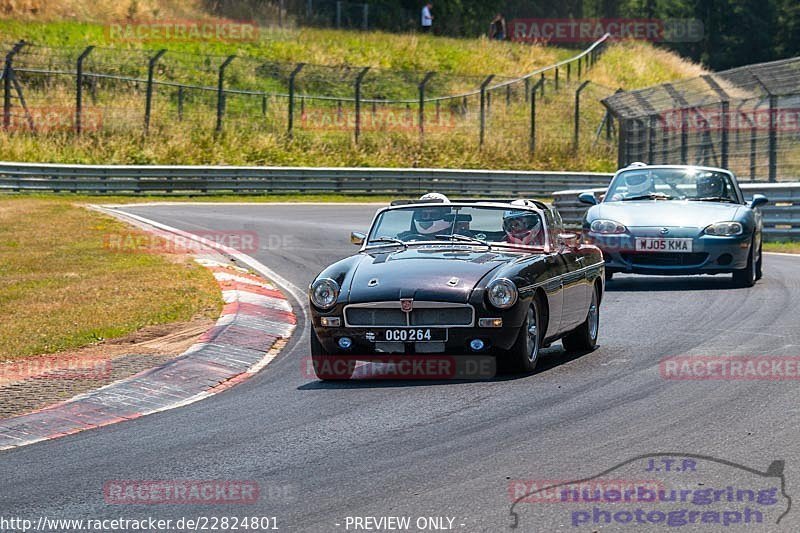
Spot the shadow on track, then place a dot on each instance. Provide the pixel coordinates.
(550, 359)
(670, 284)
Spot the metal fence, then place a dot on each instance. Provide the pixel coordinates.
(746, 119)
(126, 179)
(781, 215)
(97, 89)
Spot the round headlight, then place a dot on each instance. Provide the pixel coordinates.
(607, 227)
(724, 229)
(502, 293)
(324, 293)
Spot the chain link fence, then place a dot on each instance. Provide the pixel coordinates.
(80, 91)
(746, 119)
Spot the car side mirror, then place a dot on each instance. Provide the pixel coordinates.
(758, 200)
(357, 238)
(587, 198)
(569, 240)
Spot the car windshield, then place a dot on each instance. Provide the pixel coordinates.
(672, 184)
(488, 226)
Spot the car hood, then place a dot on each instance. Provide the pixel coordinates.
(423, 273)
(667, 213)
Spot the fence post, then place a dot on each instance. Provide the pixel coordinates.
(365, 17)
(359, 79)
(485, 83)
(576, 131)
(569, 71)
(79, 88)
(221, 91)
(580, 62)
(8, 73)
(148, 101)
(726, 123)
(338, 14)
(180, 102)
(527, 88)
(622, 152)
(292, 77)
(421, 88)
(773, 130)
(651, 139)
(542, 85)
(532, 140)
(556, 78)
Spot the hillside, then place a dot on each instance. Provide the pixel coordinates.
(397, 62)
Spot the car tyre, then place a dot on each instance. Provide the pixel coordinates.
(584, 337)
(329, 367)
(759, 263)
(747, 276)
(524, 354)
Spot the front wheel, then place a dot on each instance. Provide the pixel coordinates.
(584, 337)
(747, 276)
(524, 355)
(328, 367)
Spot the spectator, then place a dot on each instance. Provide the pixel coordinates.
(427, 18)
(497, 29)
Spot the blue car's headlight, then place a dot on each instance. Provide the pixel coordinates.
(724, 229)
(502, 293)
(607, 227)
(324, 293)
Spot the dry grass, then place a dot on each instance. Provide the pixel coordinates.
(632, 65)
(63, 289)
(791, 247)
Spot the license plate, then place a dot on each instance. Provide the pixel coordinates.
(663, 245)
(408, 335)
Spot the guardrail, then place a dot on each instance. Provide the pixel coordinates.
(781, 215)
(148, 179)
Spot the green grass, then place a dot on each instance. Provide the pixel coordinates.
(786, 247)
(249, 138)
(63, 288)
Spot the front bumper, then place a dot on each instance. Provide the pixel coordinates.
(496, 340)
(709, 255)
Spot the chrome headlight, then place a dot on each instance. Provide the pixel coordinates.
(724, 229)
(502, 293)
(607, 227)
(324, 293)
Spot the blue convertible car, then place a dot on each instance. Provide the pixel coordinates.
(676, 220)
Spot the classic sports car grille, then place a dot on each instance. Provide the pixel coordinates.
(426, 315)
(666, 259)
(364, 316)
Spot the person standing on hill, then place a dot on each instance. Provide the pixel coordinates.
(497, 29)
(427, 18)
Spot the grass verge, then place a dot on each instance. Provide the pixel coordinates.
(787, 247)
(63, 288)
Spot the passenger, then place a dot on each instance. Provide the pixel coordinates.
(523, 227)
(710, 186)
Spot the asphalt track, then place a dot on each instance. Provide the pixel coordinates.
(323, 452)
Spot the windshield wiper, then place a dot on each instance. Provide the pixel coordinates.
(650, 196)
(712, 199)
(464, 238)
(390, 240)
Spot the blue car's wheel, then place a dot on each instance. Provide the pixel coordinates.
(747, 276)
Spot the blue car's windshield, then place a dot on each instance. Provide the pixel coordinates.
(672, 184)
(463, 224)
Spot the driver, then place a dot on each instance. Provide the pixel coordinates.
(523, 227)
(637, 183)
(432, 220)
(710, 186)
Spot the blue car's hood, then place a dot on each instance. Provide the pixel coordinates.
(668, 213)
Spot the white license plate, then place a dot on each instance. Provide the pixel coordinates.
(644, 244)
(410, 335)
